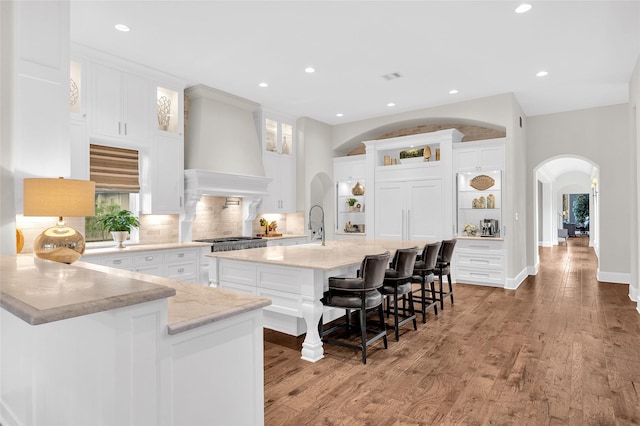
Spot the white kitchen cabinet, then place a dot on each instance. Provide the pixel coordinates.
(292, 241)
(79, 154)
(184, 264)
(479, 156)
(281, 191)
(409, 210)
(347, 173)
(480, 261)
(120, 104)
(162, 190)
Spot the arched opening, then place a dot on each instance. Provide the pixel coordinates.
(560, 186)
(321, 194)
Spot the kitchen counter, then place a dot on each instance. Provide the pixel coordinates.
(284, 237)
(131, 248)
(335, 254)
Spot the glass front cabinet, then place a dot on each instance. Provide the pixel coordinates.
(479, 204)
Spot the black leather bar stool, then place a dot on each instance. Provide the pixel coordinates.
(443, 268)
(424, 275)
(397, 285)
(358, 294)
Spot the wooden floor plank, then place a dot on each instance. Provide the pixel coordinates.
(561, 349)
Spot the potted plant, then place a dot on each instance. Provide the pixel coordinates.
(352, 204)
(119, 224)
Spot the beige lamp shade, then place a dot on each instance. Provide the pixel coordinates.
(59, 197)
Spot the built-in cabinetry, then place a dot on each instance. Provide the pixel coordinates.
(279, 161)
(349, 178)
(184, 264)
(480, 256)
(286, 241)
(413, 197)
(129, 106)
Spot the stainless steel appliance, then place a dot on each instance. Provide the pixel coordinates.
(489, 228)
(234, 243)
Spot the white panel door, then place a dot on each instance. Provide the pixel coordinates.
(424, 210)
(106, 101)
(390, 212)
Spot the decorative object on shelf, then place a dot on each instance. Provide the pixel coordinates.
(273, 226)
(351, 202)
(74, 92)
(387, 160)
(437, 154)
(285, 146)
(359, 206)
(394, 161)
(264, 222)
(59, 198)
(358, 189)
(164, 112)
(427, 153)
(120, 225)
(470, 230)
(413, 153)
(491, 201)
(482, 182)
(474, 203)
(19, 240)
(271, 145)
(482, 202)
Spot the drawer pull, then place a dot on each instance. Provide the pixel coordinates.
(180, 254)
(148, 258)
(117, 261)
(181, 270)
(478, 274)
(479, 261)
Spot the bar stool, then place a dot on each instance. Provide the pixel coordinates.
(397, 284)
(423, 274)
(443, 267)
(361, 294)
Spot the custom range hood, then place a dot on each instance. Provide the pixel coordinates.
(223, 154)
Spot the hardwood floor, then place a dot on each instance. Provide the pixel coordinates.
(562, 349)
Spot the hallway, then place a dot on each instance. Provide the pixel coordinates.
(562, 349)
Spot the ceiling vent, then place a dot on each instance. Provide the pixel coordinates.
(391, 76)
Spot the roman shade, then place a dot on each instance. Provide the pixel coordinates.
(114, 169)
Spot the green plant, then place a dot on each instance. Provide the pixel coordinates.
(121, 221)
(352, 201)
(581, 207)
(94, 230)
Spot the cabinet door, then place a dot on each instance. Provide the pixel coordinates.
(136, 100)
(271, 201)
(424, 215)
(106, 101)
(167, 179)
(281, 192)
(79, 150)
(390, 213)
(287, 179)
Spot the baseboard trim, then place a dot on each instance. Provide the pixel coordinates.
(514, 283)
(613, 277)
(634, 294)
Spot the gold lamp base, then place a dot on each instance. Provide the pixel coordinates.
(60, 243)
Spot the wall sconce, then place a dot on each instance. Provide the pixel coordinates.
(59, 197)
(231, 202)
(594, 188)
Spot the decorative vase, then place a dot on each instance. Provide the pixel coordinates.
(119, 237)
(358, 189)
(427, 153)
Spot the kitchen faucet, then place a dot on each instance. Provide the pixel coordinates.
(321, 229)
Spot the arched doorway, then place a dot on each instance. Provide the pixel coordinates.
(321, 194)
(554, 179)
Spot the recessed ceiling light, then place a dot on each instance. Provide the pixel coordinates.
(122, 27)
(309, 70)
(524, 7)
(391, 104)
(392, 76)
(339, 114)
(263, 84)
(453, 91)
(541, 73)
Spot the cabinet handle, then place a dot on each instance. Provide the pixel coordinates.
(181, 270)
(478, 274)
(125, 129)
(180, 254)
(409, 224)
(119, 128)
(117, 261)
(479, 261)
(180, 201)
(148, 258)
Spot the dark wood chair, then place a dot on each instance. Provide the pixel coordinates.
(443, 267)
(423, 273)
(358, 294)
(397, 286)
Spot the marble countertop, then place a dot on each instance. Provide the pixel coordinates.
(335, 254)
(131, 248)
(478, 237)
(284, 237)
(39, 292)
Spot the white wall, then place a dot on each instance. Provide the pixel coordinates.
(600, 135)
(634, 130)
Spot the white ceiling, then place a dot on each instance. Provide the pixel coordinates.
(481, 48)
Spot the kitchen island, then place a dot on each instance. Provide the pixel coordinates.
(295, 278)
(89, 344)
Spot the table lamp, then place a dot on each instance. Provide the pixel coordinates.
(59, 197)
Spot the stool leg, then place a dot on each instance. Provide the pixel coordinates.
(395, 314)
(440, 288)
(423, 292)
(432, 286)
(412, 310)
(450, 287)
(383, 326)
(363, 333)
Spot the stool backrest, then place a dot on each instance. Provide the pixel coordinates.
(372, 270)
(446, 251)
(404, 260)
(430, 255)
